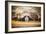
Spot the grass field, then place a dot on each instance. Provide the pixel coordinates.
(25, 24)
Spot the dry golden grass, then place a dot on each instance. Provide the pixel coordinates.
(22, 23)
